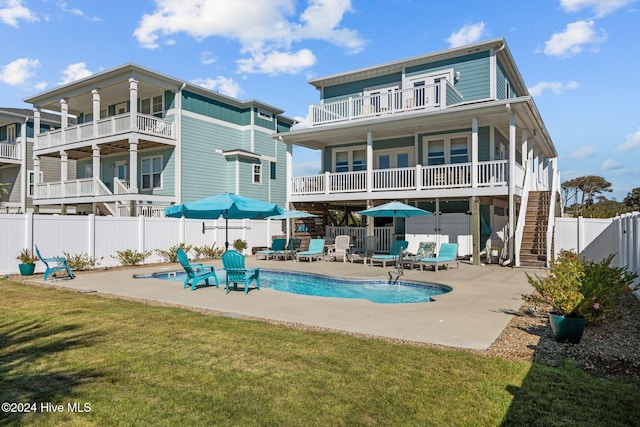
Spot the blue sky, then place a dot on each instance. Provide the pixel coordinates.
(579, 58)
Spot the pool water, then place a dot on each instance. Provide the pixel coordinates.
(378, 291)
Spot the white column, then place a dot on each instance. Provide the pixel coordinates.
(369, 162)
(63, 170)
(96, 111)
(512, 186)
(36, 121)
(96, 164)
(523, 149)
(23, 165)
(289, 172)
(64, 111)
(133, 102)
(133, 165)
(474, 152)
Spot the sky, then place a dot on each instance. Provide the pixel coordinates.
(580, 59)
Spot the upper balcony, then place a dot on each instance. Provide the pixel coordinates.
(401, 101)
(10, 153)
(107, 127)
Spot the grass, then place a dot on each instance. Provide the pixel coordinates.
(136, 364)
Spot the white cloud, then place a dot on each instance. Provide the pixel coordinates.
(310, 167)
(466, 35)
(557, 88)
(12, 10)
(573, 39)
(74, 72)
(220, 84)
(611, 164)
(584, 152)
(206, 58)
(265, 29)
(277, 62)
(632, 142)
(599, 7)
(19, 71)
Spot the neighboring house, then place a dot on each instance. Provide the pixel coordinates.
(453, 132)
(144, 141)
(16, 157)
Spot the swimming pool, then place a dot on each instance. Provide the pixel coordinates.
(378, 291)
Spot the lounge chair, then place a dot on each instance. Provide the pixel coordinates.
(392, 257)
(233, 262)
(61, 264)
(340, 248)
(425, 250)
(196, 272)
(290, 251)
(315, 251)
(365, 253)
(278, 244)
(448, 254)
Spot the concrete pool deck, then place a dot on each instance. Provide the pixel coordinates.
(481, 304)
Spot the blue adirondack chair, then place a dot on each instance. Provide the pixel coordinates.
(448, 254)
(60, 264)
(196, 272)
(392, 256)
(277, 245)
(316, 250)
(233, 262)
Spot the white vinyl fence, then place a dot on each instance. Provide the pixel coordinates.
(101, 237)
(595, 239)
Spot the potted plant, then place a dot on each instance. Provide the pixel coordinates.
(579, 291)
(240, 245)
(27, 262)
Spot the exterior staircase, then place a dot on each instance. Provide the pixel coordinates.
(533, 250)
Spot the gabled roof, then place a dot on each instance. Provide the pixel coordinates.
(499, 45)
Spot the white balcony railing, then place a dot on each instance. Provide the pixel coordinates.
(11, 151)
(84, 187)
(428, 97)
(106, 127)
(489, 174)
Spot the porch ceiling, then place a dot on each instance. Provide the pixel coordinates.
(86, 151)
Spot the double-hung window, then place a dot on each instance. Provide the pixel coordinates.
(351, 160)
(151, 172)
(257, 173)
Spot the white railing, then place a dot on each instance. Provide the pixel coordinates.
(84, 187)
(398, 101)
(358, 235)
(458, 175)
(551, 222)
(11, 151)
(120, 186)
(105, 127)
(522, 215)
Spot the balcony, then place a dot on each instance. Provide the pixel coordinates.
(10, 151)
(429, 97)
(488, 174)
(106, 127)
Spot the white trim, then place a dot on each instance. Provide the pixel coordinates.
(447, 145)
(349, 152)
(254, 174)
(152, 173)
(226, 124)
(393, 157)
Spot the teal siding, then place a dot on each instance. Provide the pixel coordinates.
(213, 108)
(264, 123)
(283, 127)
(169, 99)
(387, 144)
(500, 86)
(484, 140)
(342, 91)
(264, 144)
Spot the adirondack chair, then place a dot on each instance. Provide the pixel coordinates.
(60, 264)
(315, 251)
(277, 245)
(448, 254)
(290, 250)
(392, 257)
(363, 254)
(340, 248)
(196, 272)
(233, 262)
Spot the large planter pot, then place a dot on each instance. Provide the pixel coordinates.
(567, 329)
(27, 269)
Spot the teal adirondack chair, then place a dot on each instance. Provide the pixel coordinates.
(392, 256)
(196, 272)
(233, 262)
(277, 245)
(60, 264)
(316, 250)
(448, 254)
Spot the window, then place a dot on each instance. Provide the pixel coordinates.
(447, 150)
(145, 106)
(393, 159)
(273, 170)
(459, 151)
(342, 161)
(351, 160)
(257, 174)
(157, 106)
(359, 160)
(151, 172)
(264, 115)
(88, 170)
(435, 152)
(11, 133)
(31, 184)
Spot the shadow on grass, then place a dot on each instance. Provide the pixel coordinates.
(567, 395)
(30, 365)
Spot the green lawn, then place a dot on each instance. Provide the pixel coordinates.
(135, 364)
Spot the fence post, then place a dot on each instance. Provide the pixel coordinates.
(91, 243)
(141, 242)
(28, 231)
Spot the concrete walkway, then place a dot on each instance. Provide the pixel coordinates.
(472, 315)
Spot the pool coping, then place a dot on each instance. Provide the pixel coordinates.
(482, 301)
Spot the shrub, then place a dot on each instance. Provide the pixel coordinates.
(129, 257)
(171, 255)
(82, 262)
(240, 245)
(207, 252)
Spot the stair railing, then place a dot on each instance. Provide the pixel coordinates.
(522, 215)
(551, 222)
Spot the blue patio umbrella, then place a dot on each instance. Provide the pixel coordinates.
(394, 209)
(225, 205)
(288, 214)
